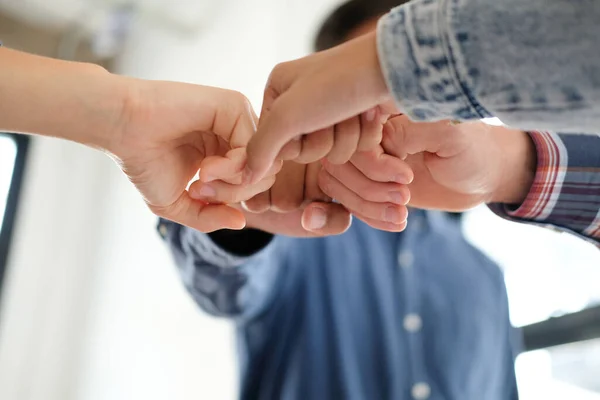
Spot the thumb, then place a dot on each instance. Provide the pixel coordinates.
(294, 113)
(275, 129)
(201, 216)
(401, 136)
(326, 219)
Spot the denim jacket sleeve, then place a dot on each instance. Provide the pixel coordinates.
(534, 64)
(223, 284)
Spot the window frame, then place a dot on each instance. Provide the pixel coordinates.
(569, 328)
(12, 200)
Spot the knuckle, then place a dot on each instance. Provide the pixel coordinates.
(277, 73)
(241, 101)
(337, 158)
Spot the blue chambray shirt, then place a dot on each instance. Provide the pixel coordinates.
(365, 315)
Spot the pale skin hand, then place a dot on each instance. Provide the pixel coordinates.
(371, 186)
(298, 204)
(314, 94)
(157, 132)
(459, 166)
(281, 210)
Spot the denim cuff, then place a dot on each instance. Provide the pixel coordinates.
(415, 53)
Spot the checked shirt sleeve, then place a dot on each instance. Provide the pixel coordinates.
(565, 194)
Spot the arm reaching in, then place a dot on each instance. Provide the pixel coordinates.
(534, 177)
(462, 60)
(157, 132)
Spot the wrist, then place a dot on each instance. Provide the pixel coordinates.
(102, 114)
(519, 167)
(377, 81)
(75, 101)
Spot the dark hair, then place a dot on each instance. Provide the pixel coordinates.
(348, 17)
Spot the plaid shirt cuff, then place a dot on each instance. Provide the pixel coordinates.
(565, 194)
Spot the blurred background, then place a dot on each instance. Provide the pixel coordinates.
(91, 306)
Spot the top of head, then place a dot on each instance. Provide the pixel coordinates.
(348, 17)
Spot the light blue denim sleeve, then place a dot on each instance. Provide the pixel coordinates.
(223, 284)
(534, 64)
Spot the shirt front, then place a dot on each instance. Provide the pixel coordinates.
(364, 315)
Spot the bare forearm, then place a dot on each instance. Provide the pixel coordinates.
(44, 96)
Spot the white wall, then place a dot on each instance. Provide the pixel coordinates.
(93, 308)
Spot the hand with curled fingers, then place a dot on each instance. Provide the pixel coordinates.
(168, 129)
(278, 210)
(300, 201)
(306, 99)
(367, 187)
(459, 166)
(365, 182)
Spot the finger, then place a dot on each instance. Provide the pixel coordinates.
(315, 146)
(257, 168)
(402, 136)
(288, 192)
(383, 226)
(291, 150)
(234, 118)
(346, 137)
(366, 188)
(230, 168)
(201, 216)
(387, 212)
(371, 130)
(226, 193)
(312, 191)
(382, 167)
(258, 204)
(326, 219)
(281, 124)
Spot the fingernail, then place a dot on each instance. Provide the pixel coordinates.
(402, 179)
(370, 115)
(318, 219)
(397, 198)
(393, 215)
(204, 192)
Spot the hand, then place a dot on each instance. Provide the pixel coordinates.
(371, 186)
(367, 186)
(314, 94)
(167, 130)
(282, 209)
(158, 132)
(459, 166)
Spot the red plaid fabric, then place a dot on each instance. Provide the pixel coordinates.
(565, 193)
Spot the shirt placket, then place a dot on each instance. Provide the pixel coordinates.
(411, 308)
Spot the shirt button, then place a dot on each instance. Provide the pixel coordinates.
(162, 229)
(421, 391)
(413, 323)
(405, 259)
